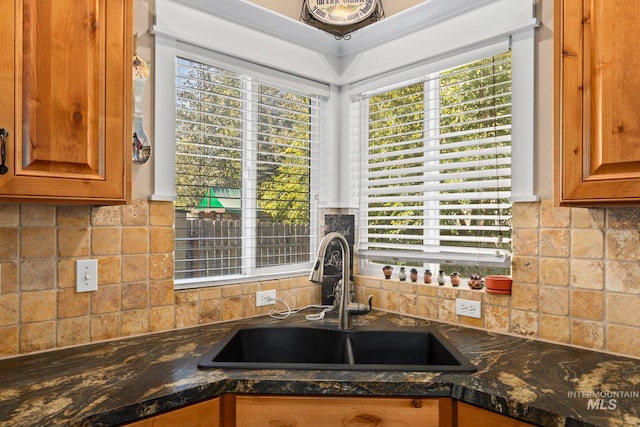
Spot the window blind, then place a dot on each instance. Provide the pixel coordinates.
(243, 173)
(436, 168)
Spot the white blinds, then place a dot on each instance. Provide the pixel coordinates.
(243, 173)
(436, 168)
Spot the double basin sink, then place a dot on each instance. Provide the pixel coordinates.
(306, 347)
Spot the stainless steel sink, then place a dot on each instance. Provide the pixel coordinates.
(305, 347)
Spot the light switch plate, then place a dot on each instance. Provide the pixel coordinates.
(86, 275)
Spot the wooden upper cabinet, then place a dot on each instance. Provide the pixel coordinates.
(66, 100)
(597, 107)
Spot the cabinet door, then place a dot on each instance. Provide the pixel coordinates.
(66, 85)
(256, 411)
(469, 415)
(203, 414)
(597, 109)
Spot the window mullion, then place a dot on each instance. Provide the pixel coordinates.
(249, 175)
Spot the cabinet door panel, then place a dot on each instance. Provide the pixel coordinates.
(67, 89)
(597, 113)
(256, 411)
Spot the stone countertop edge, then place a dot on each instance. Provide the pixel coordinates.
(114, 382)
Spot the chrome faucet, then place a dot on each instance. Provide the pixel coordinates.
(346, 308)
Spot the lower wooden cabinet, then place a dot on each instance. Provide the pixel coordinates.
(472, 416)
(231, 410)
(203, 414)
(309, 411)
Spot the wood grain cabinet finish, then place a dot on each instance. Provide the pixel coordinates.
(203, 414)
(309, 411)
(66, 100)
(472, 416)
(597, 113)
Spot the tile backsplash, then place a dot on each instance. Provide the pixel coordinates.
(41, 310)
(576, 280)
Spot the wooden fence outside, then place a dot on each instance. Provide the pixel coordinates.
(206, 247)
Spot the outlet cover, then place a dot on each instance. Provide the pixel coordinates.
(465, 307)
(265, 298)
(86, 275)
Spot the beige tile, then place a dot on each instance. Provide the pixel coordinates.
(496, 299)
(37, 242)
(9, 214)
(587, 218)
(9, 248)
(9, 340)
(67, 273)
(105, 241)
(427, 306)
(308, 295)
(135, 240)
(161, 239)
(524, 269)
(8, 278)
(37, 337)
(37, 274)
(186, 315)
(73, 331)
(587, 243)
(135, 268)
(134, 295)
(73, 242)
(161, 214)
(105, 216)
(390, 285)
(554, 271)
(588, 274)
(524, 297)
(162, 318)
(553, 216)
(389, 300)
(37, 215)
(9, 310)
(161, 293)
(622, 277)
(525, 215)
(72, 216)
(623, 340)
(496, 318)
(554, 242)
(109, 270)
(448, 292)
(229, 291)
(184, 297)
(37, 306)
(587, 334)
(524, 323)
(287, 283)
(408, 304)
(211, 311)
(447, 310)
(106, 326)
(72, 303)
(623, 218)
(525, 242)
(135, 322)
(137, 213)
(554, 300)
(623, 309)
(161, 266)
(587, 304)
(106, 299)
(554, 328)
(623, 245)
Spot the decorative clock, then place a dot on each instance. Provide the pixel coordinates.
(341, 17)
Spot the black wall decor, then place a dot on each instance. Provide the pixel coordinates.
(343, 224)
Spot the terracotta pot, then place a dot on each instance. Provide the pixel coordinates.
(475, 281)
(387, 270)
(455, 278)
(498, 283)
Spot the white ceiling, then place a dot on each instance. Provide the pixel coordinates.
(280, 18)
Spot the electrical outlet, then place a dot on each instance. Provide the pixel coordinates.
(465, 307)
(265, 298)
(86, 275)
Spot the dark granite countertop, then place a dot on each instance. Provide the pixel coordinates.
(118, 381)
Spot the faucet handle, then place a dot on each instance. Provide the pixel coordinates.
(359, 308)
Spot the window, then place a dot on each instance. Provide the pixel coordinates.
(436, 169)
(243, 174)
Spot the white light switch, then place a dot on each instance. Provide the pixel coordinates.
(86, 275)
